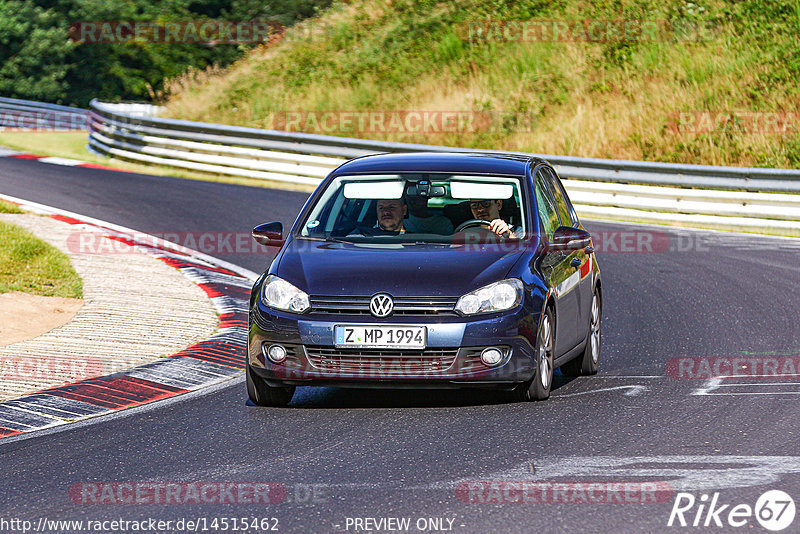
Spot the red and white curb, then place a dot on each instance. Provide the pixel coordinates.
(54, 160)
(219, 358)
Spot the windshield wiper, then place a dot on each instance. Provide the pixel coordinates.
(323, 239)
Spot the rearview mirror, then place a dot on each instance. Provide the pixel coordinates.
(423, 188)
(269, 234)
(568, 239)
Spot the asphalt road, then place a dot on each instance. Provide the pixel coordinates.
(346, 455)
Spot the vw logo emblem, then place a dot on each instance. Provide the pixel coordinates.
(381, 305)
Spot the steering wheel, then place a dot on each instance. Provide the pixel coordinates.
(366, 231)
(470, 223)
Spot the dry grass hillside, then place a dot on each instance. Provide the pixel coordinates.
(696, 82)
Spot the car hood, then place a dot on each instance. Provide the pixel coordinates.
(359, 269)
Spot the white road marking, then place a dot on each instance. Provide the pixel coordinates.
(712, 387)
(759, 384)
(766, 376)
(62, 161)
(708, 386)
(754, 393)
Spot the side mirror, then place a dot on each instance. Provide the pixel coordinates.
(569, 239)
(269, 234)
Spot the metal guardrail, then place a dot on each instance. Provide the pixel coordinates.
(598, 187)
(643, 172)
(19, 114)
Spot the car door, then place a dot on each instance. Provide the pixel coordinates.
(557, 269)
(580, 260)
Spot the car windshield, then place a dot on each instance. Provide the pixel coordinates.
(427, 208)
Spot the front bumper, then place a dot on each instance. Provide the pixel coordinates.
(451, 358)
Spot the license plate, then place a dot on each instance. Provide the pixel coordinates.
(385, 337)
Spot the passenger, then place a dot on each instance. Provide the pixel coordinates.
(489, 210)
(421, 221)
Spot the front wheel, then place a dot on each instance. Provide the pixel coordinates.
(587, 363)
(262, 394)
(538, 388)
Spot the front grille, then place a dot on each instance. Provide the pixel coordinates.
(381, 361)
(402, 305)
(471, 360)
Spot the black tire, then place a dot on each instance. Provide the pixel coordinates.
(263, 394)
(588, 362)
(538, 388)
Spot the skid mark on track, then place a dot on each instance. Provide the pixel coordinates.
(629, 391)
(683, 473)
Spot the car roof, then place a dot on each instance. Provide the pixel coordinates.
(446, 162)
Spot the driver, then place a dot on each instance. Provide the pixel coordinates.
(391, 213)
(490, 210)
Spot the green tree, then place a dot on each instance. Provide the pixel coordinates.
(39, 62)
(34, 47)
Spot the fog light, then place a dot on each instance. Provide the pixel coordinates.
(491, 356)
(276, 353)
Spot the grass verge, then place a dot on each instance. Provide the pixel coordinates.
(30, 265)
(8, 207)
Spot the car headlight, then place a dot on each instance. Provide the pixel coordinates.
(499, 296)
(279, 294)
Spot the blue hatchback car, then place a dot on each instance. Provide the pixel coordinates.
(427, 270)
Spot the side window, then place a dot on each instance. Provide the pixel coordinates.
(546, 207)
(563, 205)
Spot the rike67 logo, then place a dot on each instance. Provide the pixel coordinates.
(774, 510)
